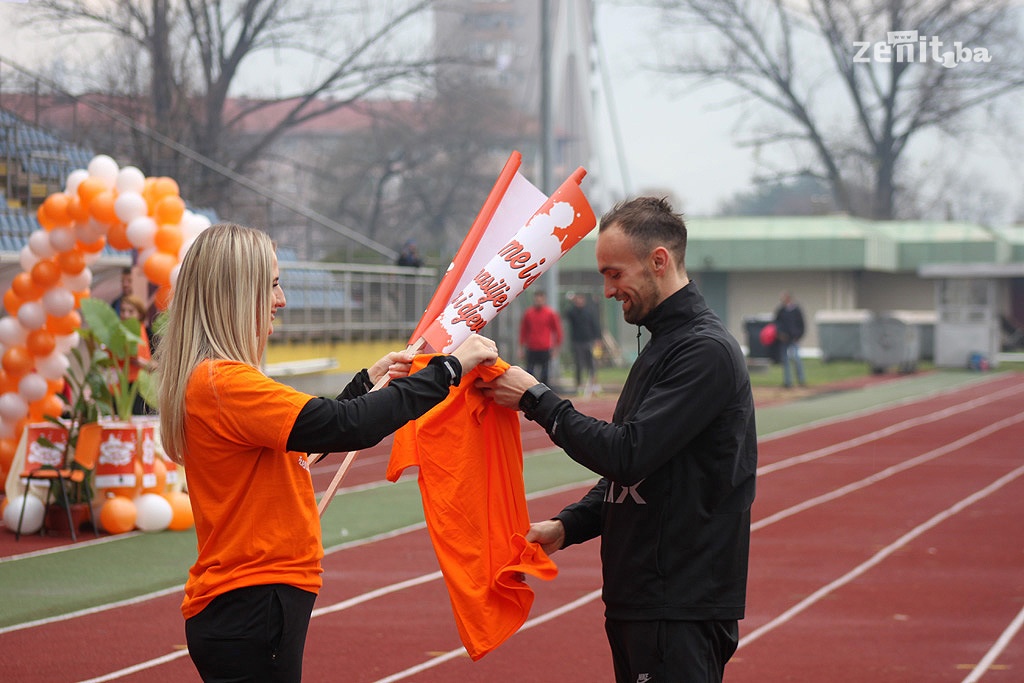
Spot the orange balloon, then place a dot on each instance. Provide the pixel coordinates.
(45, 274)
(40, 342)
(88, 189)
(168, 239)
(77, 211)
(25, 287)
(118, 515)
(65, 324)
(84, 294)
(160, 472)
(48, 405)
(7, 383)
(44, 218)
(94, 247)
(158, 267)
(117, 236)
(56, 208)
(181, 511)
(164, 187)
(8, 447)
(12, 302)
(17, 360)
(71, 261)
(102, 207)
(56, 386)
(169, 209)
(163, 296)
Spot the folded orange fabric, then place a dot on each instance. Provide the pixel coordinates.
(470, 460)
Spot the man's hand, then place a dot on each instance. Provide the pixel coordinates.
(549, 533)
(507, 389)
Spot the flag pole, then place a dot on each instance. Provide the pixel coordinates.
(442, 294)
(343, 469)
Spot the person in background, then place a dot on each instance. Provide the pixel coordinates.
(584, 331)
(132, 307)
(410, 255)
(789, 330)
(243, 438)
(540, 335)
(126, 289)
(677, 462)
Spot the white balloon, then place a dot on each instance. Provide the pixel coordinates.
(144, 254)
(141, 231)
(192, 224)
(12, 333)
(27, 258)
(129, 206)
(153, 512)
(32, 517)
(39, 243)
(174, 272)
(7, 429)
(66, 342)
(62, 239)
(51, 367)
(104, 168)
(32, 387)
(89, 231)
(75, 179)
(80, 281)
(32, 315)
(92, 257)
(58, 302)
(130, 179)
(12, 406)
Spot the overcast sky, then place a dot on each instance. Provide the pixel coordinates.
(678, 137)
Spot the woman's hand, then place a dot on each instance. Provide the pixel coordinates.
(396, 364)
(476, 350)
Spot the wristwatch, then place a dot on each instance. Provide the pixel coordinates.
(531, 397)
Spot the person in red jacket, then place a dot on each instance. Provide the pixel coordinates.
(540, 334)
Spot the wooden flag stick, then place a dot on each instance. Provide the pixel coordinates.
(417, 347)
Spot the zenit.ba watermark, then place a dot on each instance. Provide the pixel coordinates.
(908, 46)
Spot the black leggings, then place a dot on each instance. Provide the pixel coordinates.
(255, 633)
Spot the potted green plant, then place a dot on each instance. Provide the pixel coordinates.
(98, 385)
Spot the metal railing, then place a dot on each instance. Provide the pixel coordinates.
(346, 302)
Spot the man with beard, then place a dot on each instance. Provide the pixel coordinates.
(677, 462)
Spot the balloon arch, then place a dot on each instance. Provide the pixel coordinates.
(99, 206)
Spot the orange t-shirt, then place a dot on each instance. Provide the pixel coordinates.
(254, 504)
(470, 460)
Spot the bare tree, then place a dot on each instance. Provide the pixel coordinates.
(422, 170)
(852, 83)
(194, 51)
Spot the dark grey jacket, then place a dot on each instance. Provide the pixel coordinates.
(678, 465)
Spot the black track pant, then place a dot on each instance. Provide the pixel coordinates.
(671, 651)
(252, 634)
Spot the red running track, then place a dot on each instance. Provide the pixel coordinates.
(887, 547)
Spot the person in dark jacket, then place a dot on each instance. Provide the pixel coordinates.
(584, 330)
(789, 330)
(677, 462)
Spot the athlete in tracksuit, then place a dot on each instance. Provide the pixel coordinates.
(677, 463)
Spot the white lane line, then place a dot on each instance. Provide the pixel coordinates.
(881, 555)
(762, 523)
(887, 472)
(461, 652)
(997, 649)
(888, 431)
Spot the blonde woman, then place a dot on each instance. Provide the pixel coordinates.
(242, 439)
